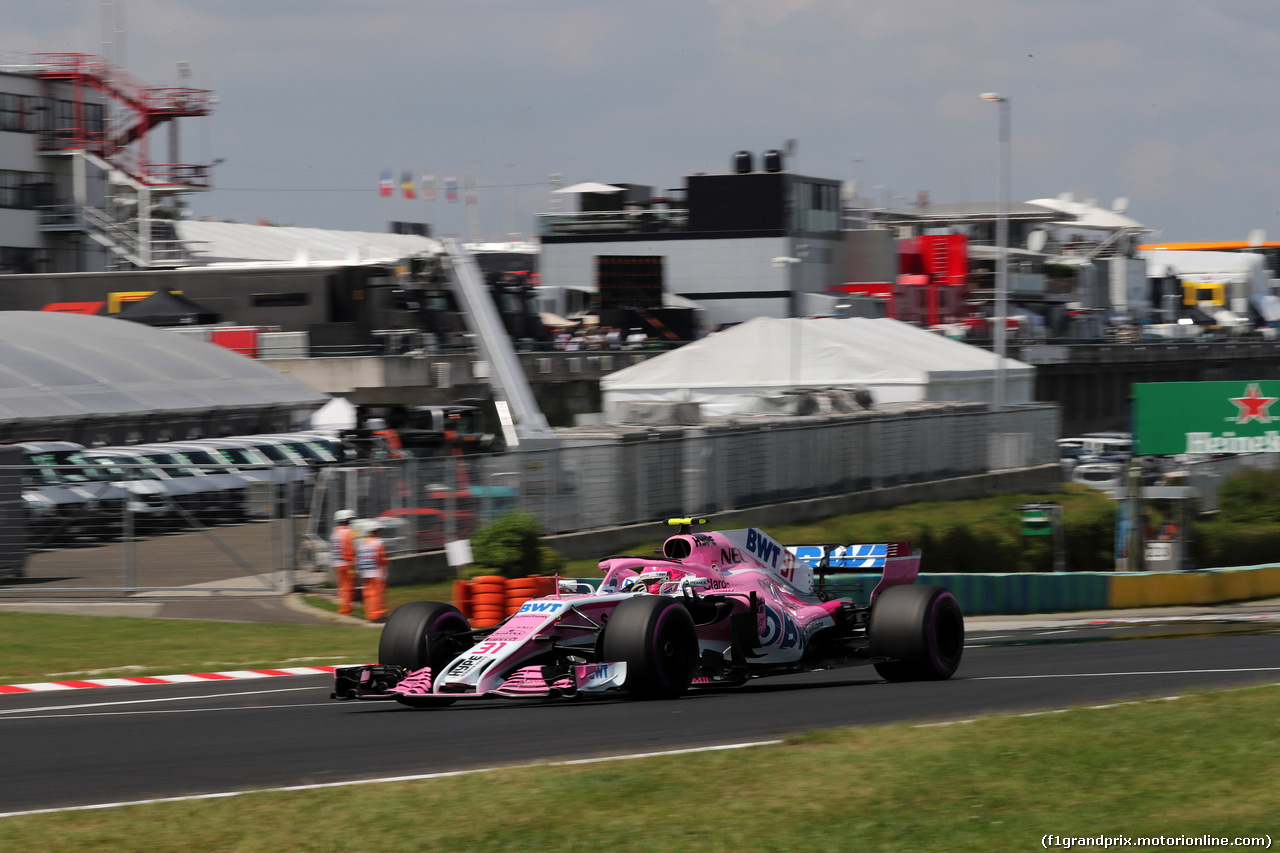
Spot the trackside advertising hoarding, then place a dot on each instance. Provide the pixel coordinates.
(1206, 417)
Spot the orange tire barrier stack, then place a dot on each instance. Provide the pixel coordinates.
(488, 600)
(520, 590)
(461, 597)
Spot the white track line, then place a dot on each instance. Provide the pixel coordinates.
(1139, 672)
(420, 777)
(447, 774)
(1085, 707)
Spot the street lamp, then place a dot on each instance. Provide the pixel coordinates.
(1002, 245)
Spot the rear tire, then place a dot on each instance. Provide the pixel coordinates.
(917, 633)
(655, 637)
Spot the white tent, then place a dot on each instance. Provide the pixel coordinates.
(336, 414)
(239, 243)
(590, 187)
(896, 362)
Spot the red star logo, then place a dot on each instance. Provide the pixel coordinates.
(1253, 406)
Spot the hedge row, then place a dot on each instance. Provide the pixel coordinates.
(1089, 541)
(978, 535)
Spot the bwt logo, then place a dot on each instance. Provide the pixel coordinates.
(765, 549)
(779, 629)
(540, 607)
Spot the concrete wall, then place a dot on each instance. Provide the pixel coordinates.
(1155, 589)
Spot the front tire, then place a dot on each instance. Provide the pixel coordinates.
(422, 633)
(917, 633)
(655, 637)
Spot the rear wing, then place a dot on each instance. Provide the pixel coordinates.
(897, 563)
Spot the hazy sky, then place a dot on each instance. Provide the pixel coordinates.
(1160, 101)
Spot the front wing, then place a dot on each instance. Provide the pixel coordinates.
(377, 681)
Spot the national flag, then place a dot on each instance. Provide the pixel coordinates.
(450, 188)
(384, 186)
(406, 185)
(428, 186)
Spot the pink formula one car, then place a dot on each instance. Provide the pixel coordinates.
(714, 609)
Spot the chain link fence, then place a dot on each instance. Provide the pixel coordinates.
(150, 527)
(267, 530)
(630, 478)
(1206, 476)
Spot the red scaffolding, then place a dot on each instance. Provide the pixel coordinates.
(143, 108)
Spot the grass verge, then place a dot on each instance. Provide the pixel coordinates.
(396, 595)
(42, 647)
(1206, 764)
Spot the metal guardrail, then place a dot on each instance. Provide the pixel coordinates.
(612, 222)
(581, 346)
(117, 236)
(60, 217)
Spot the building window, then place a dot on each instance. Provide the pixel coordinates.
(15, 260)
(94, 120)
(10, 188)
(13, 112)
(818, 208)
(280, 300)
(25, 190)
(39, 114)
(629, 281)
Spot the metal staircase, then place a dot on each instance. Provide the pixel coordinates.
(136, 241)
(523, 422)
(145, 106)
(117, 147)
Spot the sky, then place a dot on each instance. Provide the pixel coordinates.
(1162, 102)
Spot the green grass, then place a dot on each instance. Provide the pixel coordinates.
(396, 595)
(1207, 763)
(39, 647)
(42, 647)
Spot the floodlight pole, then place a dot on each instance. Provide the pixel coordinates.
(1002, 246)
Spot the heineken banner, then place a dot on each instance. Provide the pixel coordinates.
(1206, 417)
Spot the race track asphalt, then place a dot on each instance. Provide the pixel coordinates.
(111, 745)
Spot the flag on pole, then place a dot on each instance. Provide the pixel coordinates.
(406, 185)
(428, 186)
(384, 185)
(450, 188)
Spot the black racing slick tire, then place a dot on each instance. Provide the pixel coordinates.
(422, 633)
(916, 633)
(655, 636)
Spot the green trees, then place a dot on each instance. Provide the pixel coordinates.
(1246, 531)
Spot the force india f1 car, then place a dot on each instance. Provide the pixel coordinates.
(714, 609)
